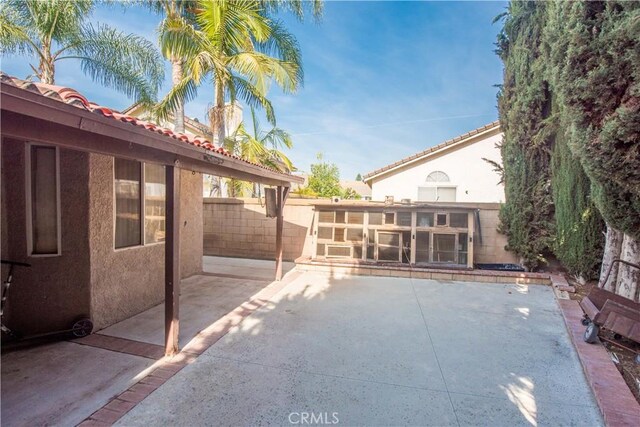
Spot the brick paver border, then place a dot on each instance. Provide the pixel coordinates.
(122, 345)
(617, 404)
(168, 367)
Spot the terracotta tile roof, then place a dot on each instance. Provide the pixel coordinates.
(430, 150)
(72, 97)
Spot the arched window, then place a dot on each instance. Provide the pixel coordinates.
(438, 176)
(437, 188)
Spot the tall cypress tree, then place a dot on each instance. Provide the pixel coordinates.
(524, 106)
(570, 106)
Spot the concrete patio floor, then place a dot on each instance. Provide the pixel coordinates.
(385, 351)
(62, 383)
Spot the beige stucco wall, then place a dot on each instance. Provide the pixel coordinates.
(54, 291)
(191, 208)
(90, 277)
(127, 281)
(475, 179)
(240, 228)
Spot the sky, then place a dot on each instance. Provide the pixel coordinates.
(383, 80)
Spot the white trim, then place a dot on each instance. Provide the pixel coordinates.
(29, 201)
(454, 145)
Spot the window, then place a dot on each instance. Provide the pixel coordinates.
(458, 220)
(390, 218)
(154, 203)
(437, 194)
(424, 219)
(438, 176)
(43, 200)
(437, 188)
(132, 199)
(128, 175)
(375, 218)
(444, 248)
(404, 219)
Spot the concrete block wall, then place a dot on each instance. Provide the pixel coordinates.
(491, 250)
(240, 228)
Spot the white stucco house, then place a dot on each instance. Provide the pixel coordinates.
(453, 171)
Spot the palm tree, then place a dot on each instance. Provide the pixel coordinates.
(243, 50)
(297, 7)
(57, 30)
(259, 147)
(178, 22)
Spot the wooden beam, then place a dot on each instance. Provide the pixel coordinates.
(172, 262)
(279, 230)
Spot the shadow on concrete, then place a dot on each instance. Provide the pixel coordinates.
(384, 351)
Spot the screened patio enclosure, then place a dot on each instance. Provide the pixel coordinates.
(421, 235)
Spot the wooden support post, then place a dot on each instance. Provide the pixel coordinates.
(172, 261)
(279, 230)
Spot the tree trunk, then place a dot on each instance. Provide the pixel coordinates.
(47, 68)
(612, 247)
(628, 276)
(177, 73)
(217, 114)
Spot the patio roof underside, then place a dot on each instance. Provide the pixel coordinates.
(33, 117)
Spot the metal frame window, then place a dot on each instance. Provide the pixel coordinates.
(139, 203)
(42, 182)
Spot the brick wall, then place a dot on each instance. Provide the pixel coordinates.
(240, 228)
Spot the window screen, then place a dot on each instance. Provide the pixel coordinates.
(390, 218)
(458, 220)
(375, 218)
(325, 233)
(404, 219)
(392, 239)
(326, 216)
(127, 175)
(422, 246)
(354, 234)
(424, 219)
(154, 203)
(356, 217)
(339, 251)
(444, 248)
(44, 200)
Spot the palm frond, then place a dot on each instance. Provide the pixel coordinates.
(178, 38)
(124, 62)
(296, 7)
(284, 46)
(15, 38)
(241, 88)
(185, 91)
